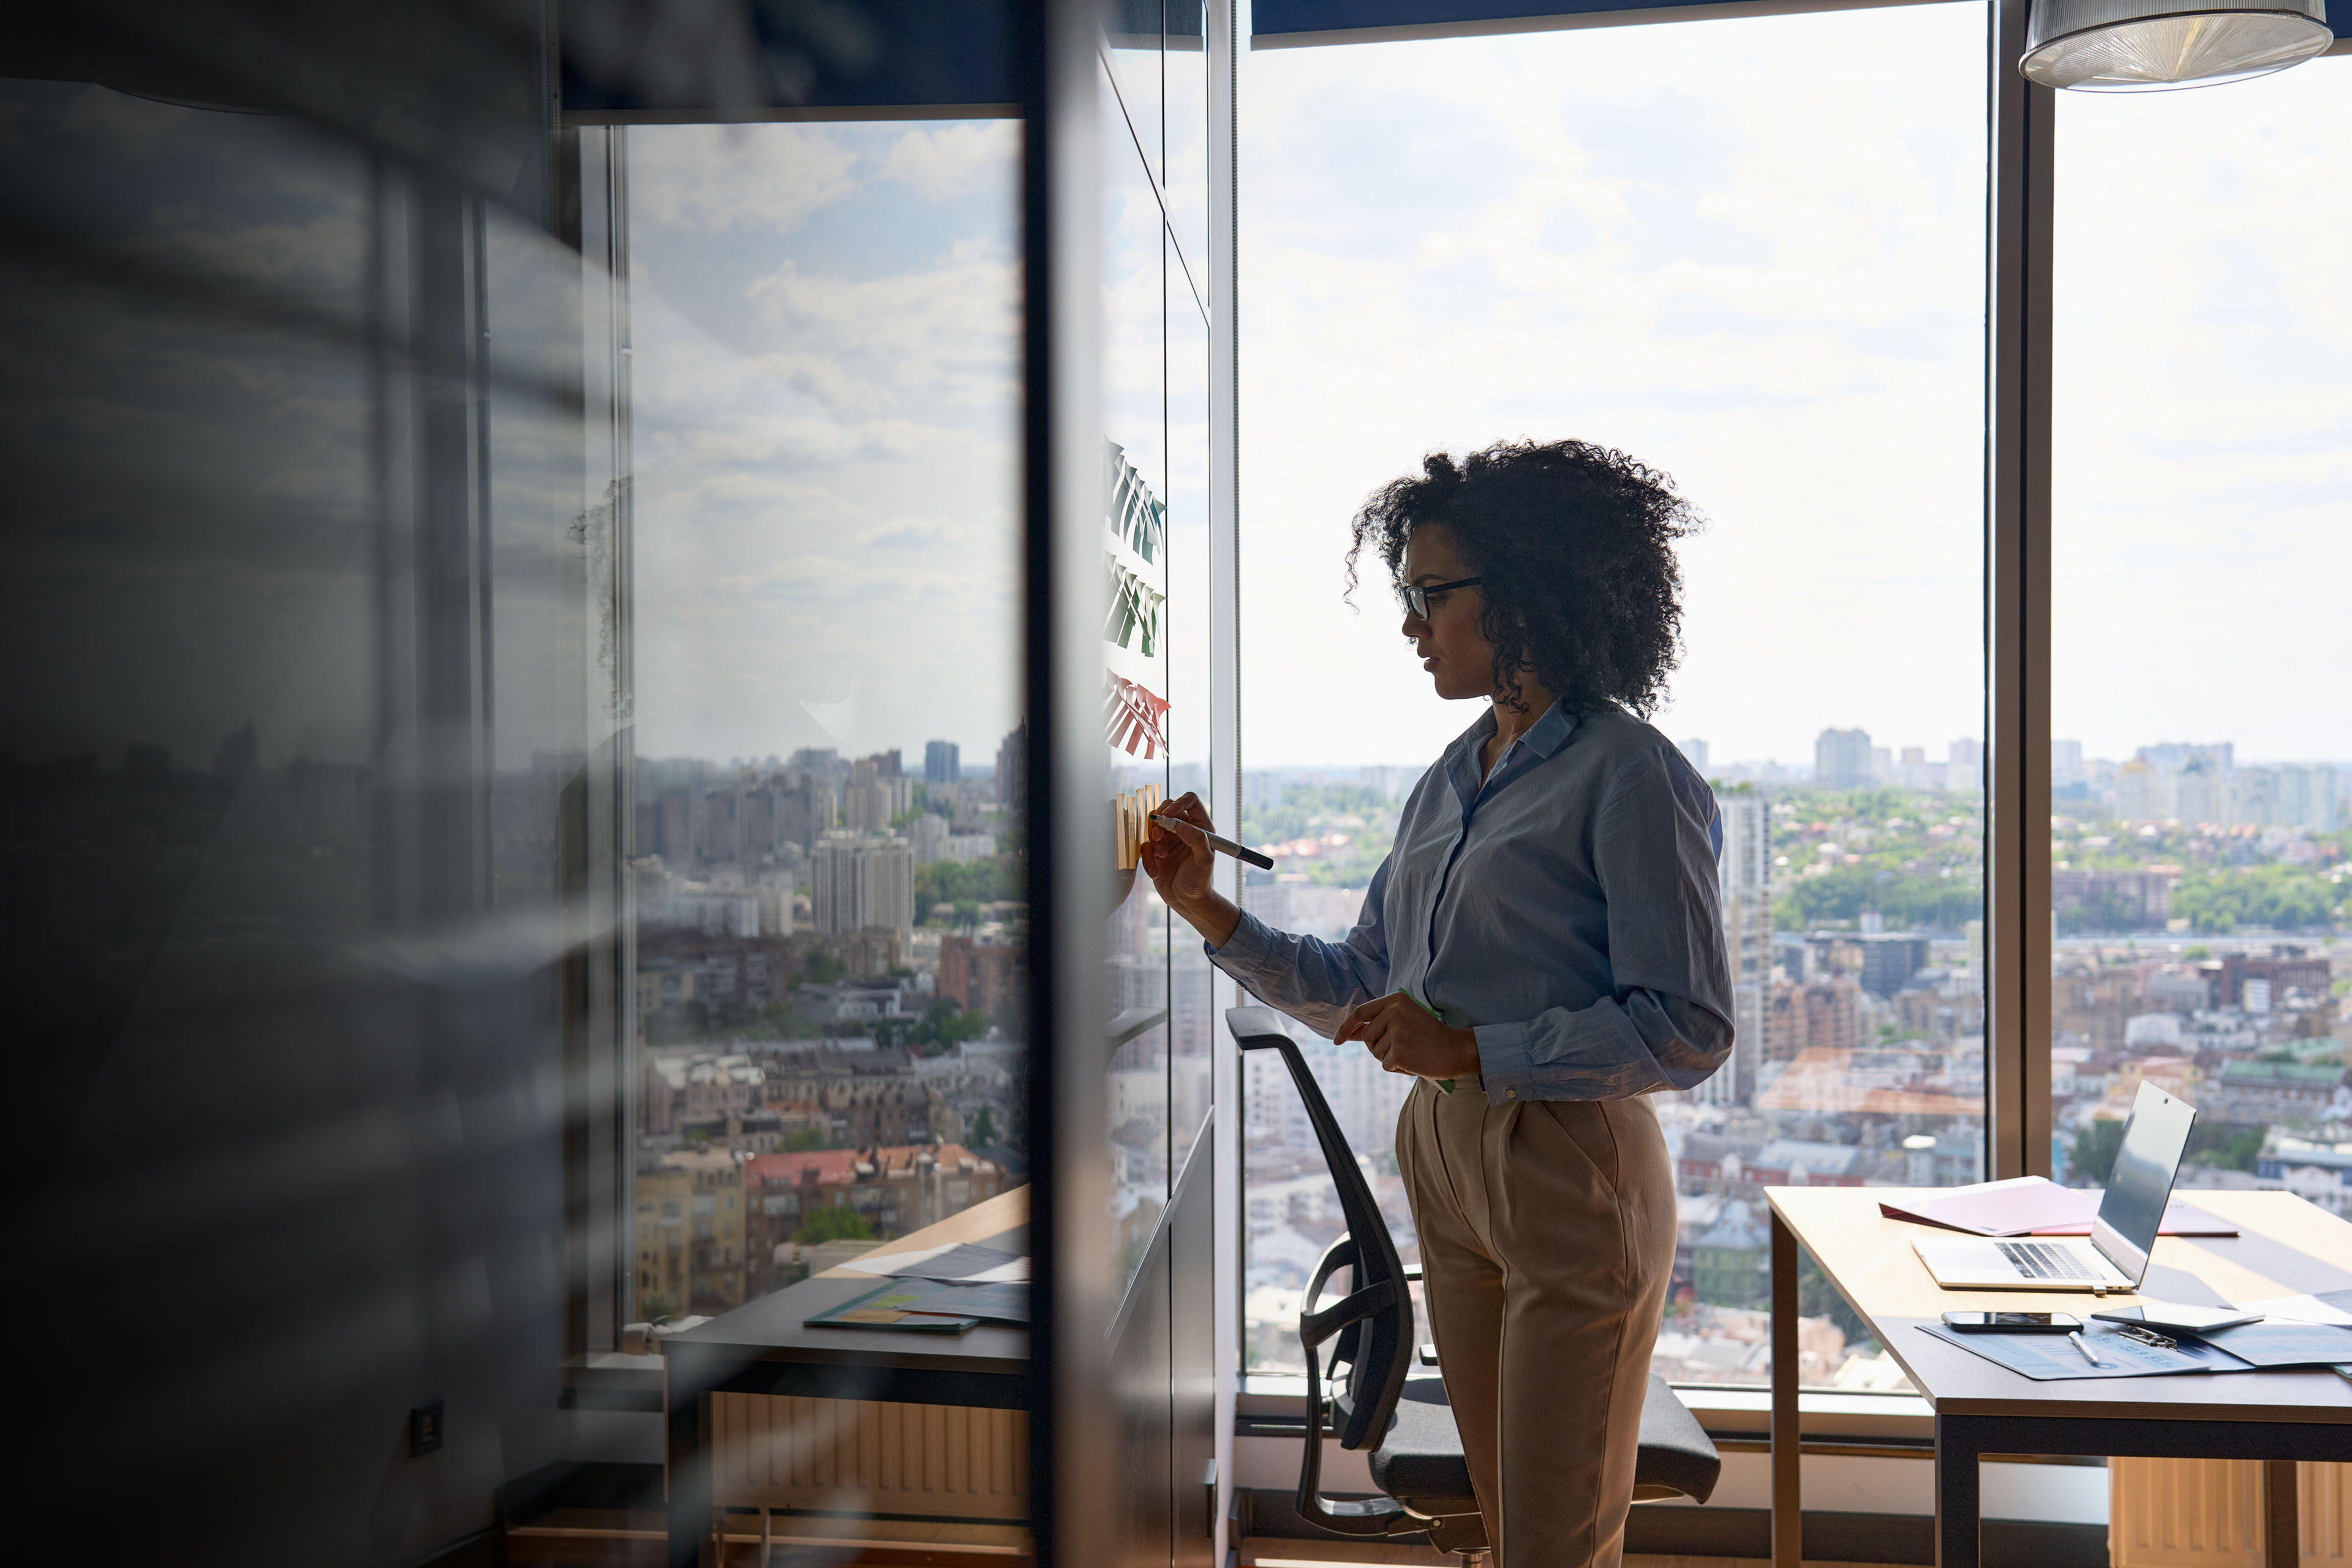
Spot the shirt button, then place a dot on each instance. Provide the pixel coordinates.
(1510, 1094)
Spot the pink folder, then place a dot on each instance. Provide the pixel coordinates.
(2036, 1205)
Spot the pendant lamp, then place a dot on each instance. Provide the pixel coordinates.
(2146, 45)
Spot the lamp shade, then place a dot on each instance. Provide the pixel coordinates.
(2145, 46)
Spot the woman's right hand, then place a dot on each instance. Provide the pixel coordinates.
(1177, 859)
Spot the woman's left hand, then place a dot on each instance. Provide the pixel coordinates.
(1406, 1038)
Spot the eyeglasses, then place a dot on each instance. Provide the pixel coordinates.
(1416, 598)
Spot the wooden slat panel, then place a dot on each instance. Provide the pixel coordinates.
(2207, 1513)
(787, 1452)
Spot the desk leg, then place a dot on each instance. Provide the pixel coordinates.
(1959, 1445)
(1788, 1490)
(2282, 1516)
(689, 1454)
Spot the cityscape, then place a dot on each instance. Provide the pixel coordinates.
(829, 980)
(2202, 920)
(830, 984)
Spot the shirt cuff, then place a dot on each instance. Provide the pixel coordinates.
(1504, 1068)
(1245, 951)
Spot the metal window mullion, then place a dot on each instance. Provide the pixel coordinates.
(2017, 606)
(1222, 38)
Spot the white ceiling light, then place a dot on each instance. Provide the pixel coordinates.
(2144, 46)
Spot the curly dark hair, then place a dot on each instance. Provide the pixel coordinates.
(1575, 543)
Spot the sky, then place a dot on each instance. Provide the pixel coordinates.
(1639, 236)
(825, 335)
(1634, 235)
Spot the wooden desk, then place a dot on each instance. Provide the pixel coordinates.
(762, 1347)
(2288, 1246)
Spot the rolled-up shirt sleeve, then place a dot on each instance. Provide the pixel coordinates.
(1316, 982)
(1668, 1023)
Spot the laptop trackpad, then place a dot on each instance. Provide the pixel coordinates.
(1966, 1256)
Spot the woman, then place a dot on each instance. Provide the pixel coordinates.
(1551, 896)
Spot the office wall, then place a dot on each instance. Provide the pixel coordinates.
(295, 759)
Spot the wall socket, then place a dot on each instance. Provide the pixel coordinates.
(424, 1429)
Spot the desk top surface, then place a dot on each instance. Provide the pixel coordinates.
(2288, 1248)
(772, 1328)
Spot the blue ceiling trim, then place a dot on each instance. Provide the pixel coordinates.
(1271, 18)
(788, 53)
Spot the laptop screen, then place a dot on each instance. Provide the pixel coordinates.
(2133, 1209)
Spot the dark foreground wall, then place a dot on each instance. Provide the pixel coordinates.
(294, 697)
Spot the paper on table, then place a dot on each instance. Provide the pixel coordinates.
(2334, 1307)
(2275, 1343)
(2052, 1358)
(955, 1260)
(2036, 1205)
(1007, 1303)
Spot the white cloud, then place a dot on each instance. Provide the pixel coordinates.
(711, 178)
(948, 161)
(828, 554)
(1637, 236)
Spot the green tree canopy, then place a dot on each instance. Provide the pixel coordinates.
(832, 1224)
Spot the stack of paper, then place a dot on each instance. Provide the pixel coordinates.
(929, 1307)
(2036, 1205)
(955, 1260)
(947, 1289)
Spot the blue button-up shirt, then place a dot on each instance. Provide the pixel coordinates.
(1566, 910)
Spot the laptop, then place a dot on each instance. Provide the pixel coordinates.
(2115, 1257)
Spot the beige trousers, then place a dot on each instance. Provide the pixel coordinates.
(1547, 1244)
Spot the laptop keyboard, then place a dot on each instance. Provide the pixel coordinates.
(2041, 1260)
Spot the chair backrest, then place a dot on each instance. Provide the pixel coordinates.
(1373, 1325)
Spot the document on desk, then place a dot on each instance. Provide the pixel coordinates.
(2328, 1307)
(956, 1260)
(2278, 1343)
(893, 1307)
(2051, 1358)
(2036, 1205)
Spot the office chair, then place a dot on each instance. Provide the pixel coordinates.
(1416, 1452)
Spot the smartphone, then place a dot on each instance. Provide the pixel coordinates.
(2011, 1322)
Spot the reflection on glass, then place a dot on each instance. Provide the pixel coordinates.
(826, 857)
(2199, 800)
(1637, 236)
(1139, 716)
(1187, 180)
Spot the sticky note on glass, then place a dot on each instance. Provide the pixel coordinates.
(1446, 1084)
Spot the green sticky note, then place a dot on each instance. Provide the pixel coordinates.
(1446, 1084)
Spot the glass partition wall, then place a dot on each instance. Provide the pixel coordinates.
(1158, 707)
(2201, 751)
(537, 616)
(827, 850)
(1637, 235)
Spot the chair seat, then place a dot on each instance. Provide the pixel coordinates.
(1420, 1457)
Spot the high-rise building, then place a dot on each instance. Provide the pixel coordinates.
(2065, 760)
(862, 880)
(942, 762)
(927, 836)
(1744, 881)
(1964, 764)
(2203, 792)
(2142, 791)
(1694, 750)
(1013, 772)
(1842, 759)
(2304, 796)
(1888, 961)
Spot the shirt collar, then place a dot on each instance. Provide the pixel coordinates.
(1544, 737)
